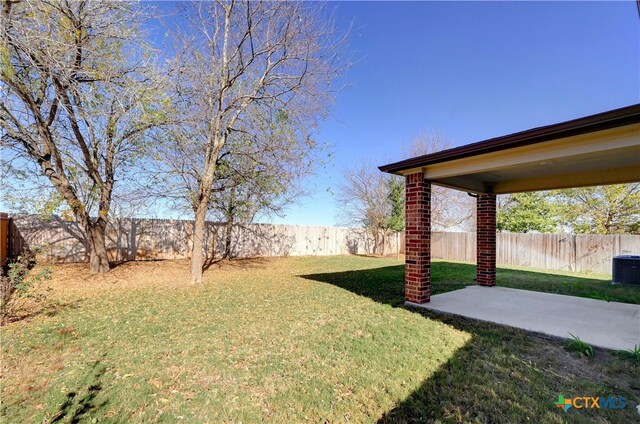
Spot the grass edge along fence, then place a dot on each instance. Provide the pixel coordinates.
(149, 239)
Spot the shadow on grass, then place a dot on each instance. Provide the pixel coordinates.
(81, 403)
(33, 309)
(209, 263)
(507, 375)
(384, 285)
(502, 374)
(115, 264)
(238, 263)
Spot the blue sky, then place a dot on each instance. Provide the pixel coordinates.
(469, 71)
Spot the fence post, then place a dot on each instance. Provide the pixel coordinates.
(171, 239)
(4, 238)
(574, 256)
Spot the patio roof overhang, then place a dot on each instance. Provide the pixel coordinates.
(594, 150)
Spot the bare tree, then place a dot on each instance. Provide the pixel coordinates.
(244, 59)
(375, 201)
(364, 197)
(78, 101)
(449, 208)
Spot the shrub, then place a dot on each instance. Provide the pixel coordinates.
(23, 281)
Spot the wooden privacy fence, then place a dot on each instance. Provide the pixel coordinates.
(144, 239)
(582, 252)
(140, 239)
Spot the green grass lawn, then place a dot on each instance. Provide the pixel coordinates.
(293, 340)
(448, 276)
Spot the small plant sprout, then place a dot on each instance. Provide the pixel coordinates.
(599, 296)
(579, 346)
(631, 354)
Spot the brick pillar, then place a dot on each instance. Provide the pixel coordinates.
(417, 271)
(486, 240)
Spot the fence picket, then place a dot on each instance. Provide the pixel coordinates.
(140, 239)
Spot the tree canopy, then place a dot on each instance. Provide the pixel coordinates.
(527, 212)
(80, 96)
(612, 209)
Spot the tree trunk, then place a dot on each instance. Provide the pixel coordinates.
(198, 244)
(376, 241)
(201, 209)
(229, 226)
(229, 239)
(98, 259)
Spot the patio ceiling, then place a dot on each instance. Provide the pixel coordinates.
(594, 150)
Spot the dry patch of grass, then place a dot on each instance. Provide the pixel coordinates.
(269, 340)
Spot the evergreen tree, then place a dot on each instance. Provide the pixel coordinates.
(395, 221)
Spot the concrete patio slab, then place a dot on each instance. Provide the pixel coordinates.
(611, 325)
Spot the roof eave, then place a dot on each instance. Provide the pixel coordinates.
(611, 119)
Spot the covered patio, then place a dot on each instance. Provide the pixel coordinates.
(594, 150)
(611, 325)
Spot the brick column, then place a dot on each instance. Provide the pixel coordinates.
(417, 271)
(486, 240)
